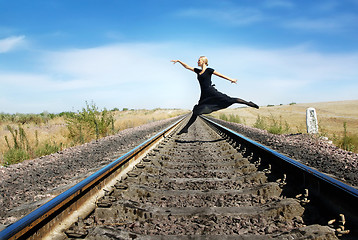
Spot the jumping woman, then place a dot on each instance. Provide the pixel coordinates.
(210, 99)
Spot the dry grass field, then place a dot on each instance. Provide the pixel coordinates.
(331, 116)
(53, 133)
(44, 137)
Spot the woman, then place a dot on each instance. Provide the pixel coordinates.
(210, 98)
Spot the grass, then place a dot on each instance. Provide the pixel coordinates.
(272, 125)
(231, 118)
(348, 142)
(28, 136)
(20, 149)
(336, 120)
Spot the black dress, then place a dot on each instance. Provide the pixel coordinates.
(210, 98)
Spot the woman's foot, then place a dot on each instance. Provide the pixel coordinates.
(182, 131)
(251, 104)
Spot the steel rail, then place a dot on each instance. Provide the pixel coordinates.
(37, 224)
(332, 194)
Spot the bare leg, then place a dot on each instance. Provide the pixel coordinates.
(251, 104)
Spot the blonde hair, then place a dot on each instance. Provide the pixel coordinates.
(205, 59)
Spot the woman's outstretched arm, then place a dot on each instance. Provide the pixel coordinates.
(225, 77)
(183, 64)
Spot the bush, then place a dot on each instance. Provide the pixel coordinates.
(234, 118)
(20, 118)
(273, 126)
(347, 142)
(223, 116)
(260, 123)
(89, 124)
(15, 155)
(48, 148)
(19, 148)
(66, 114)
(231, 118)
(278, 127)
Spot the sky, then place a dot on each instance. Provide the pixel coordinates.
(57, 54)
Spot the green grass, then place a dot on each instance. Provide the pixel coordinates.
(19, 148)
(272, 125)
(29, 136)
(231, 118)
(260, 123)
(347, 142)
(90, 123)
(20, 118)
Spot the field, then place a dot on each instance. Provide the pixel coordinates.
(292, 118)
(26, 136)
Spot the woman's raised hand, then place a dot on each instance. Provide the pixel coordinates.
(183, 64)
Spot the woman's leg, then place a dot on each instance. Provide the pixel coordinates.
(251, 104)
(190, 122)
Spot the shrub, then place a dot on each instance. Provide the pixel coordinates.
(48, 148)
(19, 148)
(231, 118)
(15, 155)
(234, 118)
(223, 116)
(278, 127)
(66, 114)
(20, 118)
(260, 122)
(347, 142)
(89, 124)
(19, 138)
(273, 126)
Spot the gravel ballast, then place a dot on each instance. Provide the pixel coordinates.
(313, 151)
(27, 185)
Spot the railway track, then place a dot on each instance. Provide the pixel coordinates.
(208, 184)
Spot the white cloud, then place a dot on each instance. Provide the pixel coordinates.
(284, 75)
(141, 76)
(144, 65)
(331, 23)
(324, 19)
(320, 24)
(128, 75)
(10, 43)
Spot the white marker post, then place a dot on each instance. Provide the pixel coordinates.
(311, 121)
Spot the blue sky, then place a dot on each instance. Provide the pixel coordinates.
(55, 55)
